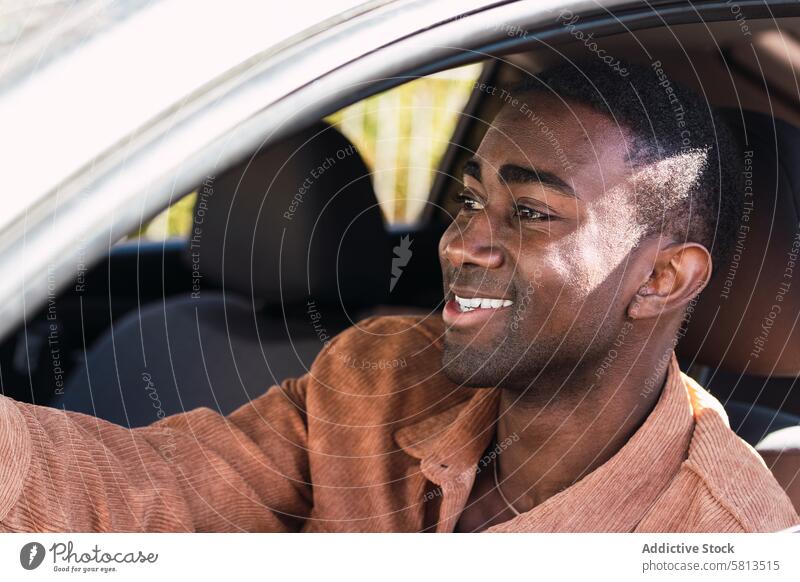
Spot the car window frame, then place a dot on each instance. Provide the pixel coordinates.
(231, 116)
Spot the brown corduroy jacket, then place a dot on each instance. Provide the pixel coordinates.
(361, 443)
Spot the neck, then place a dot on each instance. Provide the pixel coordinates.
(565, 426)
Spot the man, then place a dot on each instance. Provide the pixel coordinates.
(546, 397)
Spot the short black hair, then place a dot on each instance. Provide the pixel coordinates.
(665, 120)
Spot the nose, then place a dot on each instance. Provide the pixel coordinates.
(474, 244)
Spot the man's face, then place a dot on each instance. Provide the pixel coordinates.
(547, 223)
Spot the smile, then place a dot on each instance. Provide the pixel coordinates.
(467, 312)
(469, 304)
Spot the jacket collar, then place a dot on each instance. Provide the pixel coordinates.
(450, 443)
(614, 497)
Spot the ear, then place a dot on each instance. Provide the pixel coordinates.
(680, 272)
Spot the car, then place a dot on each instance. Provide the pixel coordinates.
(117, 114)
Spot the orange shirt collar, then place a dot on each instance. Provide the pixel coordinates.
(614, 497)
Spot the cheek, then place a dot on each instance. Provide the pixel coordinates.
(547, 280)
(586, 259)
(574, 268)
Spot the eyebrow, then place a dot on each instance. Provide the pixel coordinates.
(473, 168)
(514, 174)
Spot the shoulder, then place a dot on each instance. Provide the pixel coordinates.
(383, 354)
(392, 332)
(379, 372)
(732, 472)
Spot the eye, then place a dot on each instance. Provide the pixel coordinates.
(468, 202)
(529, 214)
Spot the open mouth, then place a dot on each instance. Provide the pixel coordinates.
(466, 304)
(463, 312)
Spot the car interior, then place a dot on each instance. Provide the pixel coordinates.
(249, 297)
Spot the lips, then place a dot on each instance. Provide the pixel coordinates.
(465, 308)
(468, 304)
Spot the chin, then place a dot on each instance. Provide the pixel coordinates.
(471, 368)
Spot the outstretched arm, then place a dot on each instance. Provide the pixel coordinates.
(197, 471)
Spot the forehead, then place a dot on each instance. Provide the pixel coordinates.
(583, 147)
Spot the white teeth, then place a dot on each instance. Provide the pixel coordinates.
(467, 304)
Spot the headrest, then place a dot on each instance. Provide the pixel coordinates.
(291, 223)
(746, 321)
